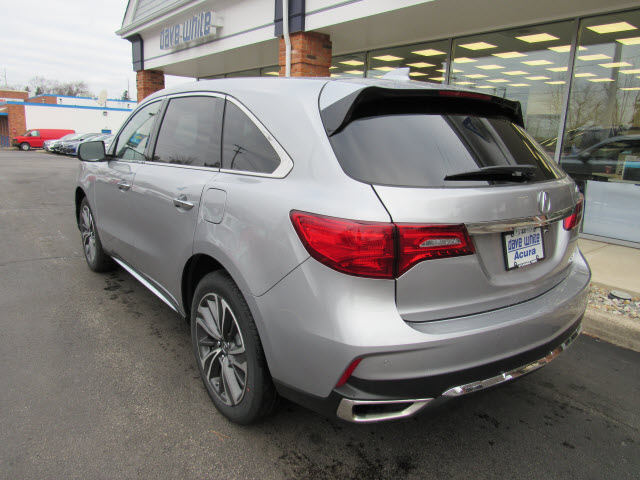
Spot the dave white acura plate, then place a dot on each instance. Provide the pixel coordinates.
(522, 247)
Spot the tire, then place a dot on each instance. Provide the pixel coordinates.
(95, 256)
(25, 147)
(228, 351)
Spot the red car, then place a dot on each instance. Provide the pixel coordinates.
(35, 138)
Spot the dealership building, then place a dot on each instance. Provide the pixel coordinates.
(573, 65)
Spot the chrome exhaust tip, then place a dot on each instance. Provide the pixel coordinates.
(369, 411)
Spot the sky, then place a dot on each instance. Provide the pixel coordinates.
(68, 40)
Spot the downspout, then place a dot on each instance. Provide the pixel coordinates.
(287, 39)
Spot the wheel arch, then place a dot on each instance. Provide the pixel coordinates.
(194, 270)
(80, 195)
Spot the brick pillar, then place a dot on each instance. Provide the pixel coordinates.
(310, 55)
(148, 82)
(17, 122)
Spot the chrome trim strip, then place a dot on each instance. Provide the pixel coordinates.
(509, 225)
(345, 409)
(147, 284)
(515, 373)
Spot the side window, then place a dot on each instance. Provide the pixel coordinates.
(133, 139)
(34, 133)
(244, 147)
(190, 132)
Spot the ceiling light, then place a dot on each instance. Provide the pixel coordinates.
(627, 89)
(556, 82)
(333, 75)
(538, 62)
(599, 56)
(463, 83)
(597, 80)
(629, 41)
(388, 58)
(416, 74)
(612, 27)
(429, 52)
(498, 80)
(581, 75)
(353, 63)
(489, 67)
(476, 75)
(538, 78)
(272, 73)
(421, 65)
(637, 70)
(538, 37)
(565, 48)
(442, 70)
(516, 72)
(331, 68)
(463, 60)
(519, 85)
(558, 69)
(616, 65)
(354, 72)
(478, 46)
(385, 69)
(485, 86)
(509, 55)
(437, 79)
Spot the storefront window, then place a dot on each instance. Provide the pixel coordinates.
(427, 61)
(254, 72)
(348, 66)
(601, 147)
(525, 64)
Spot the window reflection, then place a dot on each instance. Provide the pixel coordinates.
(529, 65)
(427, 61)
(348, 66)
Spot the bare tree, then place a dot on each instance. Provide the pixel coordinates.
(43, 85)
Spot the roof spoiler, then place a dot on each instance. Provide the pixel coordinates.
(377, 101)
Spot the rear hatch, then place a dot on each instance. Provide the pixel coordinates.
(442, 157)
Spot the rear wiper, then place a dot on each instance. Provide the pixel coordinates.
(511, 173)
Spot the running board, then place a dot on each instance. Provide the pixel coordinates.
(147, 284)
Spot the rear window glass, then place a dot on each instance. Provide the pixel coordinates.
(420, 150)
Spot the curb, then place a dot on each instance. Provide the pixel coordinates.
(617, 329)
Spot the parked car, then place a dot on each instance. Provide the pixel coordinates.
(50, 145)
(35, 138)
(606, 158)
(71, 148)
(361, 247)
(63, 147)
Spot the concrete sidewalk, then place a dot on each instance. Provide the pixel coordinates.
(613, 267)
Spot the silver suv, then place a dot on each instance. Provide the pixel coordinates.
(362, 247)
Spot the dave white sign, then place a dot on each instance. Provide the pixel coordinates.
(198, 26)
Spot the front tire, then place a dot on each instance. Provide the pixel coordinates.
(228, 351)
(25, 147)
(96, 257)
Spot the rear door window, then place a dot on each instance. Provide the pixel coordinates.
(244, 147)
(191, 132)
(420, 150)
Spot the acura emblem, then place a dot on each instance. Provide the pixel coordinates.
(544, 202)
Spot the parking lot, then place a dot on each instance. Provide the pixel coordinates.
(98, 381)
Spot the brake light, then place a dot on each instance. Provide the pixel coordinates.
(418, 243)
(455, 93)
(363, 249)
(377, 250)
(573, 220)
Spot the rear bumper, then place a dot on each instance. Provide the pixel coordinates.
(315, 322)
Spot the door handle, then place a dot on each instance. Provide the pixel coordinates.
(181, 202)
(124, 186)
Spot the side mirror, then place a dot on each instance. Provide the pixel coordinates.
(92, 152)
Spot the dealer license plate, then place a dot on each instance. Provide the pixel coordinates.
(523, 247)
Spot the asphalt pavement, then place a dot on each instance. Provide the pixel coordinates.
(97, 380)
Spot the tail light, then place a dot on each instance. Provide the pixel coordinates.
(573, 220)
(377, 250)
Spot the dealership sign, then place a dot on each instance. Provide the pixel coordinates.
(198, 26)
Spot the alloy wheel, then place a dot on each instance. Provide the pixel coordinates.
(88, 230)
(221, 349)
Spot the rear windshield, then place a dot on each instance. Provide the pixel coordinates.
(420, 150)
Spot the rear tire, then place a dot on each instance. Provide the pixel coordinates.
(94, 254)
(25, 147)
(228, 351)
